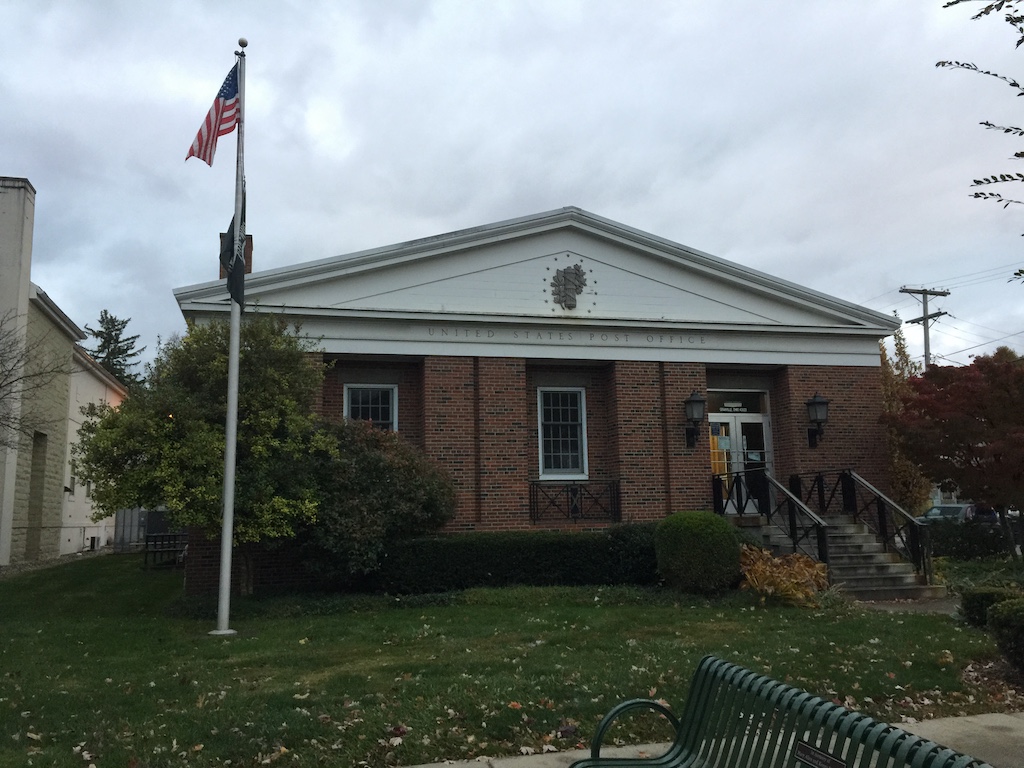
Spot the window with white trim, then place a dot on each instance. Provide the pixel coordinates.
(377, 403)
(562, 428)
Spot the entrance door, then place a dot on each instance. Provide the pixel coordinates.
(739, 453)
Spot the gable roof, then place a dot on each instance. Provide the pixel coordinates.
(512, 273)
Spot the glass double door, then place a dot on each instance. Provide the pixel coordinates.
(740, 446)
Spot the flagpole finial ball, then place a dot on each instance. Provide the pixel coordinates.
(243, 42)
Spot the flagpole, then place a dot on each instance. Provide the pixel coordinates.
(231, 425)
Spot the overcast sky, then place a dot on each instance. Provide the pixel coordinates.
(813, 139)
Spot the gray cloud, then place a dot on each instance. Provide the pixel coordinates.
(814, 141)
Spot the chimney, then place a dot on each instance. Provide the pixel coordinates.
(17, 218)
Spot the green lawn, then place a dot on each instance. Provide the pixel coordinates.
(103, 663)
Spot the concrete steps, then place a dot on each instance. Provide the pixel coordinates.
(860, 566)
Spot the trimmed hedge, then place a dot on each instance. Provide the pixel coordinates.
(698, 552)
(970, 540)
(632, 548)
(975, 602)
(1006, 622)
(621, 555)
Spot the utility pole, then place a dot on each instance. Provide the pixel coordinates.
(925, 318)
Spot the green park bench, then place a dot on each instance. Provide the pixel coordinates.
(735, 717)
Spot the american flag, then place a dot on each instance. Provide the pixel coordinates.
(222, 119)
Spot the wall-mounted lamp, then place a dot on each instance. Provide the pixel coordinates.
(696, 407)
(817, 414)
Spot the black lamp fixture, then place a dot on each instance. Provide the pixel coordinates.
(817, 414)
(696, 407)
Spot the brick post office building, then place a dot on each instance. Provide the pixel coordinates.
(547, 362)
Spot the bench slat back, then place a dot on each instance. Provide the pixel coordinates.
(740, 719)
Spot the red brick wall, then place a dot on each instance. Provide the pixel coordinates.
(659, 474)
(853, 435)
(640, 425)
(450, 430)
(507, 443)
(689, 482)
(478, 417)
(253, 568)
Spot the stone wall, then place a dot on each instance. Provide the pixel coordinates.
(39, 485)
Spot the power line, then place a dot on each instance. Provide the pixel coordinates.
(984, 344)
(980, 272)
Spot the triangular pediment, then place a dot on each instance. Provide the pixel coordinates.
(566, 266)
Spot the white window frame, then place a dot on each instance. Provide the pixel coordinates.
(392, 388)
(559, 474)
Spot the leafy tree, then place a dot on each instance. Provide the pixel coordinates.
(375, 487)
(28, 365)
(114, 350)
(965, 428)
(165, 444)
(910, 488)
(346, 489)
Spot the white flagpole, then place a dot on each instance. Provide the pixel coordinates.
(231, 425)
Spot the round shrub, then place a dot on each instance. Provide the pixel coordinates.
(375, 487)
(975, 602)
(1006, 621)
(698, 552)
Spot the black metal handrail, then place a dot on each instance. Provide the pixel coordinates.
(846, 492)
(598, 501)
(757, 492)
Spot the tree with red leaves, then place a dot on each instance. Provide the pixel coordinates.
(965, 428)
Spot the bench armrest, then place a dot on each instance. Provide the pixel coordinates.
(621, 709)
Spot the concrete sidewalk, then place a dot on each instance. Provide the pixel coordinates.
(997, 739)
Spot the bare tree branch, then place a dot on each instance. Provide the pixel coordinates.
(28, 366)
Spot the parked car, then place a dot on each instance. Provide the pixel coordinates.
(959, 513)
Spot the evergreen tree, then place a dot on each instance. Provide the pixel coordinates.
(164, 445)
(114, 350)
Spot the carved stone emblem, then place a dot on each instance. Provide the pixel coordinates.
(567, 284)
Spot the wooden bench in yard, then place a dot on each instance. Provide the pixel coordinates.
(736, 718)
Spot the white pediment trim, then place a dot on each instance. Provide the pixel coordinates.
(408, 288)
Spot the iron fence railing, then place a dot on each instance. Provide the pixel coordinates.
(758, 493)
(597, 501)
(847, 493)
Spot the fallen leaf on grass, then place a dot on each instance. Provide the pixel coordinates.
(34, 736)
(527, 750)
(549, 748)
(268, 759)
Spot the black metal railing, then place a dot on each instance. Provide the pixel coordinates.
(844, 492)
(598, 501)
(165, 549)
(755, 492)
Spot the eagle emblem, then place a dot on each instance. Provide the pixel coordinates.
(567, 284)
